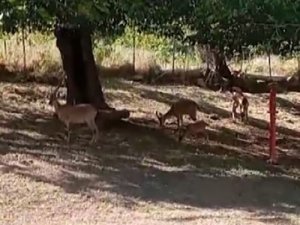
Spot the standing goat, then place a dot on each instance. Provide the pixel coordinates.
(75, 114)
(241, 101)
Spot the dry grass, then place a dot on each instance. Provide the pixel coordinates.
(259, 65)
(42, 56)
(122, 55)
(140, 174)
(43, 59)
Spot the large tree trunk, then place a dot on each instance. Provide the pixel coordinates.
(222, 70)
(83, 85)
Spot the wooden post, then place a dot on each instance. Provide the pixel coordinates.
(269, 63)
(243, 58)
(187, 62)
(23, 38)
(5, 47)
(24, 49)
(133, 45)
(173, 57)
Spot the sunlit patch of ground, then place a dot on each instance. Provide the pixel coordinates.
(139, 174)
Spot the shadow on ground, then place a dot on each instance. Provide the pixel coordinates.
(291, 140)
(288, 105)
(139, 162)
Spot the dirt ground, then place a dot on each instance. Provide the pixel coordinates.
(139, 174)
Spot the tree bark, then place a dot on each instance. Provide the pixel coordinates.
(83, 85)
(222, 70)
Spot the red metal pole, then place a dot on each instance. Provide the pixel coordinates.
(272, 127)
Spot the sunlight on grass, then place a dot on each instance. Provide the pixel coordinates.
(43, 59)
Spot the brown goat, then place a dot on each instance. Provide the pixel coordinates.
(178, 109)
(75, 114)
(239, 100)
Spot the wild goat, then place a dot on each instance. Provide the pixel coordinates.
(75, 114)
(196, 128)
(178, 109)
(241, 101)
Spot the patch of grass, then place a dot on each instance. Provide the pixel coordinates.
(43, 58)
(259, 65)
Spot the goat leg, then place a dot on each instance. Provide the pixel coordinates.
(93, 126)
(68, 132)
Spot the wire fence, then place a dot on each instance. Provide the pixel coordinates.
(22, 53)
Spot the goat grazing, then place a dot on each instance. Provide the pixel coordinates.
(178, 109)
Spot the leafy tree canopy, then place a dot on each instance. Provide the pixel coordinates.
(228, 24)
(104, 16)
(237, 23)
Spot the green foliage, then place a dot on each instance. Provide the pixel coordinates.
(229, 24)
(162, 46)
(158, 46)
(147, 41)
(102, 50)
(233, 24)
(104, 16)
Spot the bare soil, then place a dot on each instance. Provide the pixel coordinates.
(138, 173)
